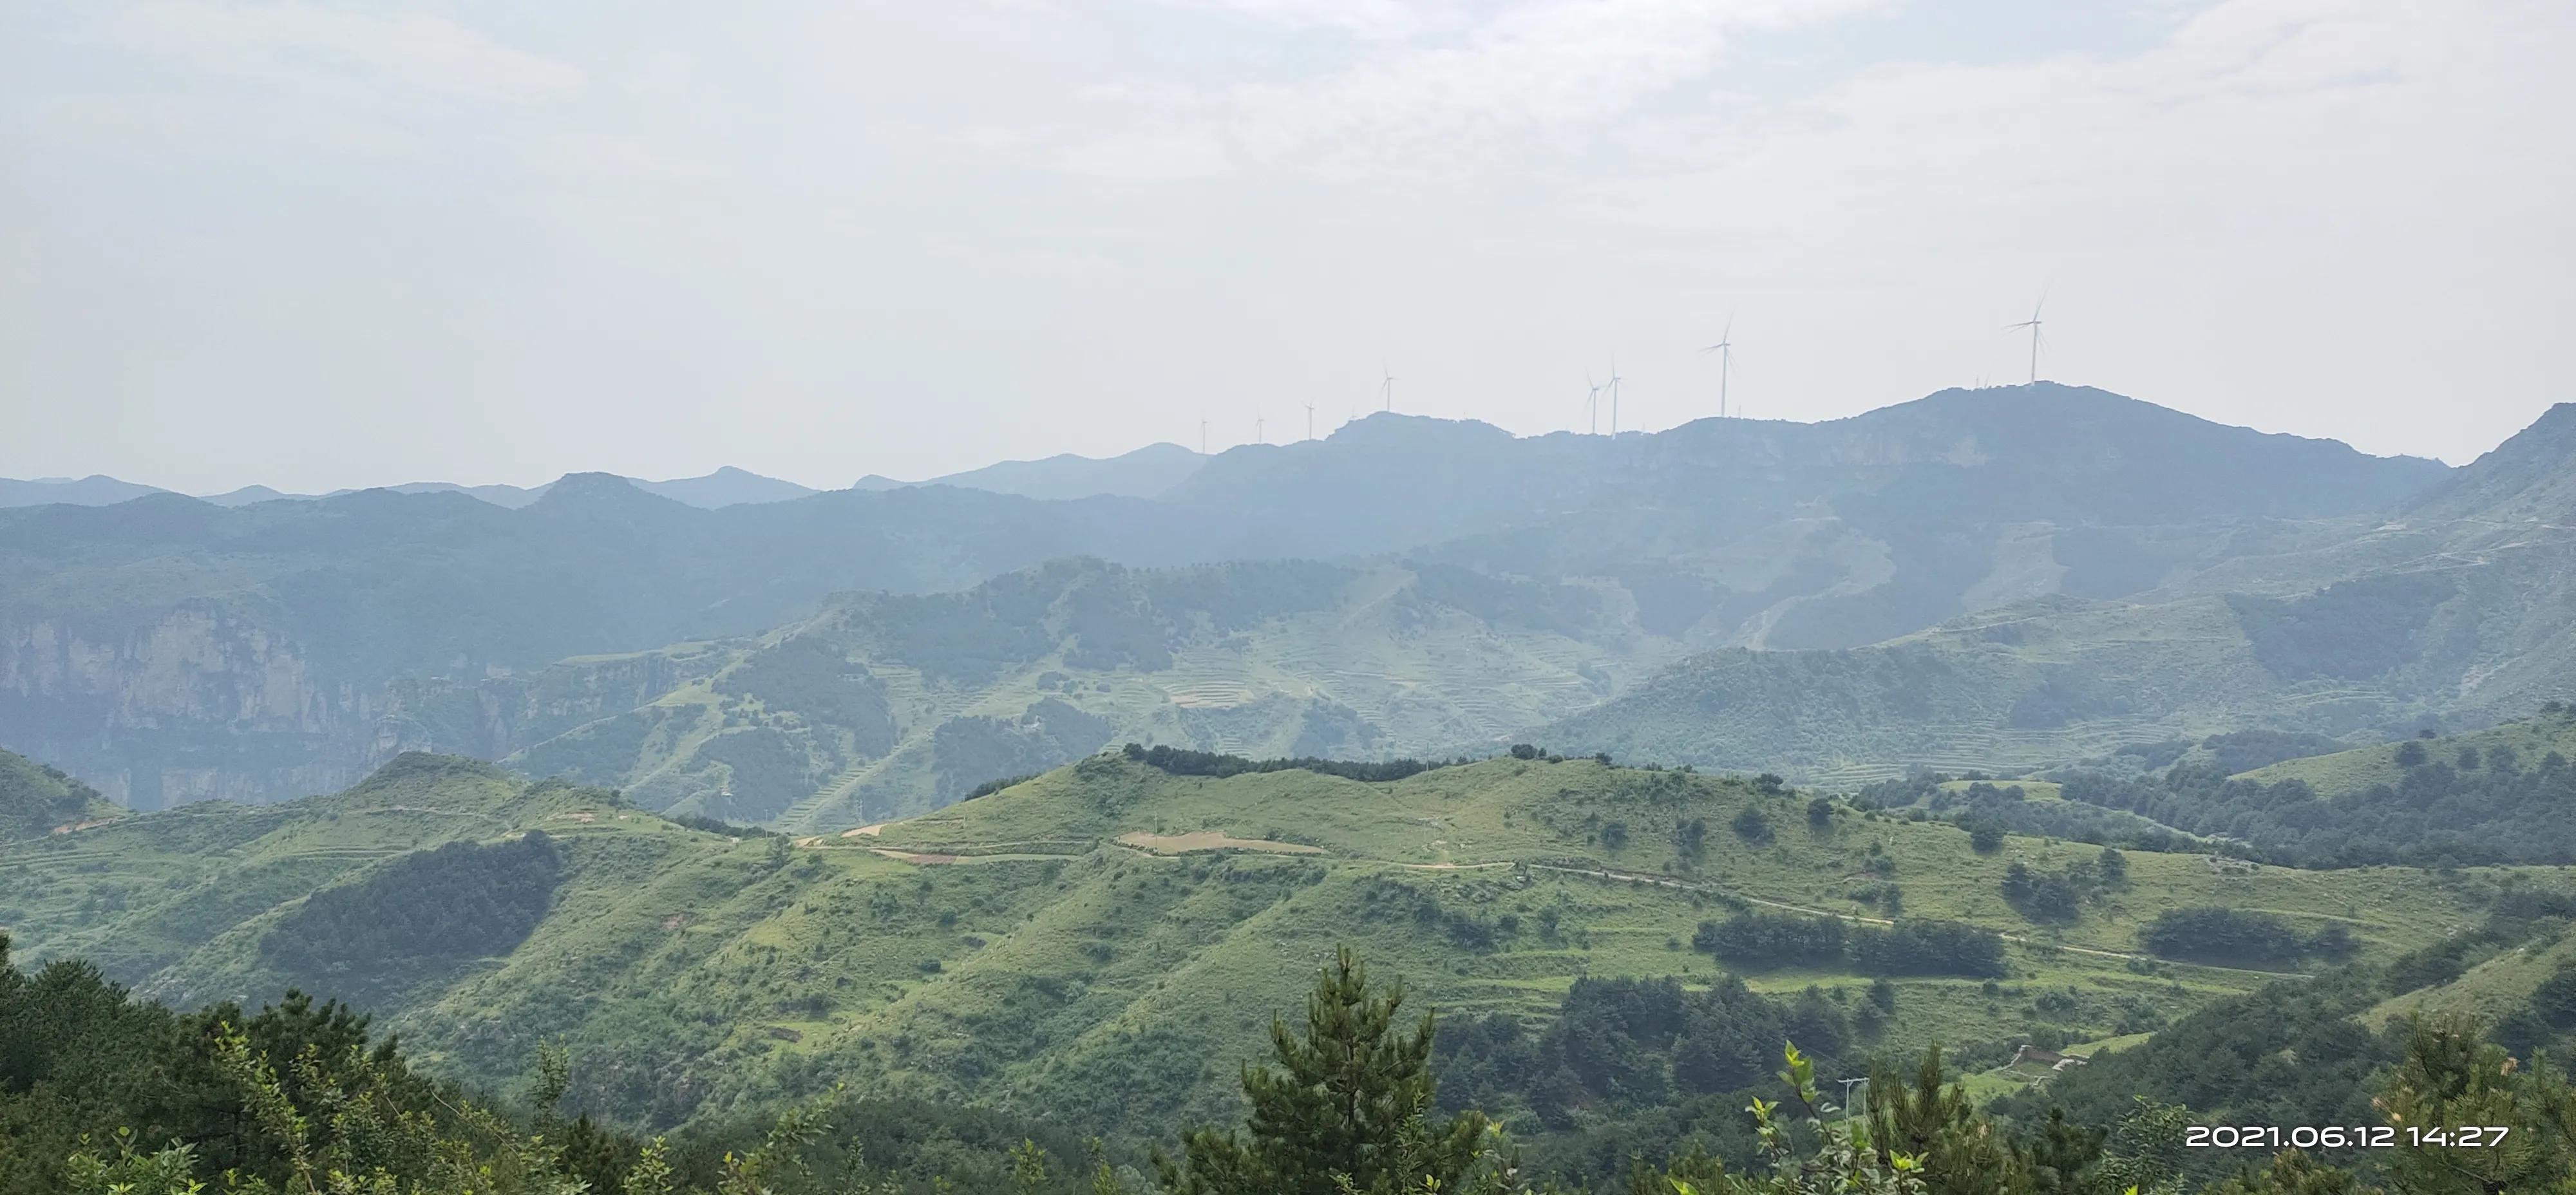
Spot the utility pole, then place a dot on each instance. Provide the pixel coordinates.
(1848, 1084)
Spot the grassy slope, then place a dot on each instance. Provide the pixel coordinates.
(2489, 990)
(1010, 949)
(2487, 637)
(2363, 767)
(2003, 691)
(1387, 669)
(142, 893)
(2056, 679)
(36, 801)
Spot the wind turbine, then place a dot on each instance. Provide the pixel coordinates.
(1592, 403)
(1725, 350)
(2033, 324)
(1310, 419)
(1257, 436)
(1203, 437)
(1386, 387)
(1614, 398)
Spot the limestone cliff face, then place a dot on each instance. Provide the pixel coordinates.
(199, 662)
(206, 701)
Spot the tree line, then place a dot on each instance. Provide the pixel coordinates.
(104, 1095)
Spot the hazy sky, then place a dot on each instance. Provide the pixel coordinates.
(317, 245)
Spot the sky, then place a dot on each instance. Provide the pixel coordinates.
(316, 245)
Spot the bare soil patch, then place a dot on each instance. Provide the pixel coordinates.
(915, 856)
(1212, 840)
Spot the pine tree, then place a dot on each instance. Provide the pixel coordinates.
(1343, 1107)
(1933, 1120)
(2452, 1078)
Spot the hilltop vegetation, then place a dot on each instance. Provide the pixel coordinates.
(100, 1095)
(2308, 1052)
(38, 799)
(410, 920)
(2500, 795)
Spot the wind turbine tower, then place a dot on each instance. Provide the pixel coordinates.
(1310, 419)
(1258, 437)
(2033, 324)
(1614, 398)
(1203, 437)
(1592, 403)
(1725, 350)
(1386, 387)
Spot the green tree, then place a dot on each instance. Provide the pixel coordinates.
(2451, 1078)
(1845, 1161)
(1341, 1108)
(1933, 1120)
(2294, 1172)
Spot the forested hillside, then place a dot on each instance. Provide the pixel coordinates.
(1093, 946)
(2501, 795)
(102, 1095)
(884, 705)
(38, 799)
(2457, 611)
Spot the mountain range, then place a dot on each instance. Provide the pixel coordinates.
(2458, 608)
(1142, 474)
(2059, 569)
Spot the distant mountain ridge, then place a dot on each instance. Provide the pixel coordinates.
(2530, 478)
(1147, 472)
(2459, 609)
(97, 489)
(727, 486)
(1143, 473)
(168, 649)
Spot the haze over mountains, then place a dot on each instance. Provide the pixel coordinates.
(2063, 569)
(1141, 474)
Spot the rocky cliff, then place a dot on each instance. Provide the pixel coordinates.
(208, 702)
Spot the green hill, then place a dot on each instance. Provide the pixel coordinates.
(36, 800)
(884, 705)
(2343, 773)
(1102, 943)
(2453, 612)
(2003, 691)
(2500, 795)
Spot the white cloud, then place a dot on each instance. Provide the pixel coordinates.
(429, 52)
(1527, 77)
(1373, 19)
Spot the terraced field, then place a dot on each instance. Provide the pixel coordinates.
(1109, 939)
